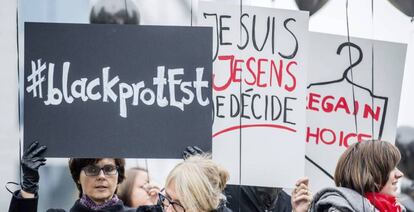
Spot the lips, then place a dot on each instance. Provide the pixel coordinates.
(101, 187)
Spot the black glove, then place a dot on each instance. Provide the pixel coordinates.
(31, 161)
(191, 151)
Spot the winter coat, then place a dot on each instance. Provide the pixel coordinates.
(19, 204)
(223, 208)
(340, 199)
(257, 199)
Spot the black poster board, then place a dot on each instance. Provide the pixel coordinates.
(117, 90)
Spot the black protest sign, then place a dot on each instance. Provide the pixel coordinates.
(117, 90)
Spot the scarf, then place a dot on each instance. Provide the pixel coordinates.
(87, 202)
(383, 202)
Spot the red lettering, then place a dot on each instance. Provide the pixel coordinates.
(227, 84)
(333, 139)
(315, 135)
(236, 69)
(363, 137)
(356, 106)
(343, 105)
(293, 86)
(249, 68)
(368, 110)
(312, 99)
(327, 106)
(278, 74)
(260, 72)
(347, 137)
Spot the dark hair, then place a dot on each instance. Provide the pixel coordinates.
(77, 164)
(125, 188)
(365, 166)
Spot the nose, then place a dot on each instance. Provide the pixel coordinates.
(398, 174)
(101, 174)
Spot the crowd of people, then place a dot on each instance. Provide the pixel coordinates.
(366, 179)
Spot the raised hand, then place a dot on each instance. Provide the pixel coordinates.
(191, 151)
(301, 196)
(31, 161)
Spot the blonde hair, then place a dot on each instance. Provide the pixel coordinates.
(365, 166)
(199, 183)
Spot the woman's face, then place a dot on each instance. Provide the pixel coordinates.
(139, 195)
(390, 187)
(102, 187)
(173, 203)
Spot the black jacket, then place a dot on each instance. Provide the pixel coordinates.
(19, 204)
(257, 199)
(223, 208)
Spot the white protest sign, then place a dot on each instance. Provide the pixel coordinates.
(334, 119)
(259, 90)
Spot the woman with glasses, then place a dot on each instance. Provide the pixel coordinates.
(195, 185)
(97, 180)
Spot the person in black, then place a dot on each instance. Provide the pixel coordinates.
(96, 179)
(266, 199)
(260, 199)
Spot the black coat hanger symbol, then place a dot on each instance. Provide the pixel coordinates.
(345, 76)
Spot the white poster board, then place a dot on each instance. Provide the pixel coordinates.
(259, 90)
(333, 120)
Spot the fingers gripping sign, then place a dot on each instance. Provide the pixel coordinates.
(301, 196)
(31, 161)
(191, 151)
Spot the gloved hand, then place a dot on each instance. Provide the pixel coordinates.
(31, 161)
(191, 151)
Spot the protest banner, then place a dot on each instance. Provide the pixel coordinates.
(352, 96)
(259, 89)
(117, 90)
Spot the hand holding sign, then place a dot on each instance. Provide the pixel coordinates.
(191, 151)
(116, 104)
(301, 196)
(31, 161)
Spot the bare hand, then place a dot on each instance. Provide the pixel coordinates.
(152, 190)
(301, 196)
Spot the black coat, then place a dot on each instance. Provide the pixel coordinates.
(257, 199)
(223, 208)
(19, 204)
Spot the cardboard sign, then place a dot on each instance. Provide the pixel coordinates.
(117, 90)
(259, 89)
(346, 103)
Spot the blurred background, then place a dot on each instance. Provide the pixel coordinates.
(383, 21)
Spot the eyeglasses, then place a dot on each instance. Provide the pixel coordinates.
(165, 202)
(93, 170)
